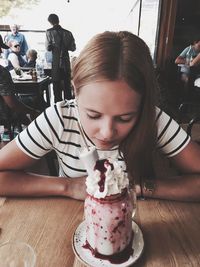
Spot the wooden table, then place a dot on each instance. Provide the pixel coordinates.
(46, 224)
(171, 230)
(36, 87)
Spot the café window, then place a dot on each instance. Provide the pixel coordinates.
(84, 18)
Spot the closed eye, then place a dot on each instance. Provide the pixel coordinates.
(125, 119)
(93, 116)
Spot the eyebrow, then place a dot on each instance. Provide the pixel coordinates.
(125, 114)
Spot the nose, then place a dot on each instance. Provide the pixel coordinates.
(107, 130)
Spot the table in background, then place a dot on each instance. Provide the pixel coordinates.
(171, 230)
(35, 87)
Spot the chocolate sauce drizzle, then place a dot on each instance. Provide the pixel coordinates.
(100, 166)
(116, 258)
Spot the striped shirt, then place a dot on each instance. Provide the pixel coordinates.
(57, 129)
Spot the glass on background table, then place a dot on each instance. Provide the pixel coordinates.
(17, 254)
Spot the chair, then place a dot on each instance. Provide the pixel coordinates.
(193, 128)
(8, 127)
(11, 125)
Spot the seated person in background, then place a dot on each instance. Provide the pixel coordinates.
(186, 60)
(11, 109)
(18, 37)
(31, 57)
(2, 45)
(15, 59)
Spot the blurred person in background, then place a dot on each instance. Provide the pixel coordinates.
(3, 48)
(2, 45)
(15, 59)
(60, 41)
(31, 57)
(18, 37)
(11, 109)
(188, 60)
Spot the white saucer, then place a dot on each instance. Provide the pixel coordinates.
(86, 257)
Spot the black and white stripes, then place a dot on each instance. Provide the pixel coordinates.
(57, 129)
(171, 137)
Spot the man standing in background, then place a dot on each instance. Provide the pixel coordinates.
(18, 37)
(60, 41)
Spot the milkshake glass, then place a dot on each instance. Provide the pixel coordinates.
(108, 210)
(109, 223)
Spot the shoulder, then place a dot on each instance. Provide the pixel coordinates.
(184, 51)
(52, 128)
(21, 35)
(63, 111)
(67, 32)
(8, 37)
(12, 56)
(49, 30)
(163, 120)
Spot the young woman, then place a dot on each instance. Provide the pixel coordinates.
(115, 103)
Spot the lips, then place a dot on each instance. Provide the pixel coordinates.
(105, 144)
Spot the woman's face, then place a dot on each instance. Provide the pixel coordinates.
(108, 111)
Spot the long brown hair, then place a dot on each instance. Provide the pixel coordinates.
(124, 56)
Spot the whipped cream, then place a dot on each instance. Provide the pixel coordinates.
(108, 178)
(89, 158)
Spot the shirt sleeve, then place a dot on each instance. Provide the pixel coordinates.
(43, 134)
(184, 52)
(171, 138)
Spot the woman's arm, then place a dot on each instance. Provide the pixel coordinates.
(180, 60)
(15, 181)
(195, 61)
(179, 188)
(185, 187)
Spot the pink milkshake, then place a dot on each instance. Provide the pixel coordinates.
(108, 212)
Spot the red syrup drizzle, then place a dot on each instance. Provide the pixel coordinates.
(100, 166)
(117, 258)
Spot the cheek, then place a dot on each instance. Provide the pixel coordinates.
(90, 127)
(124, 129)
